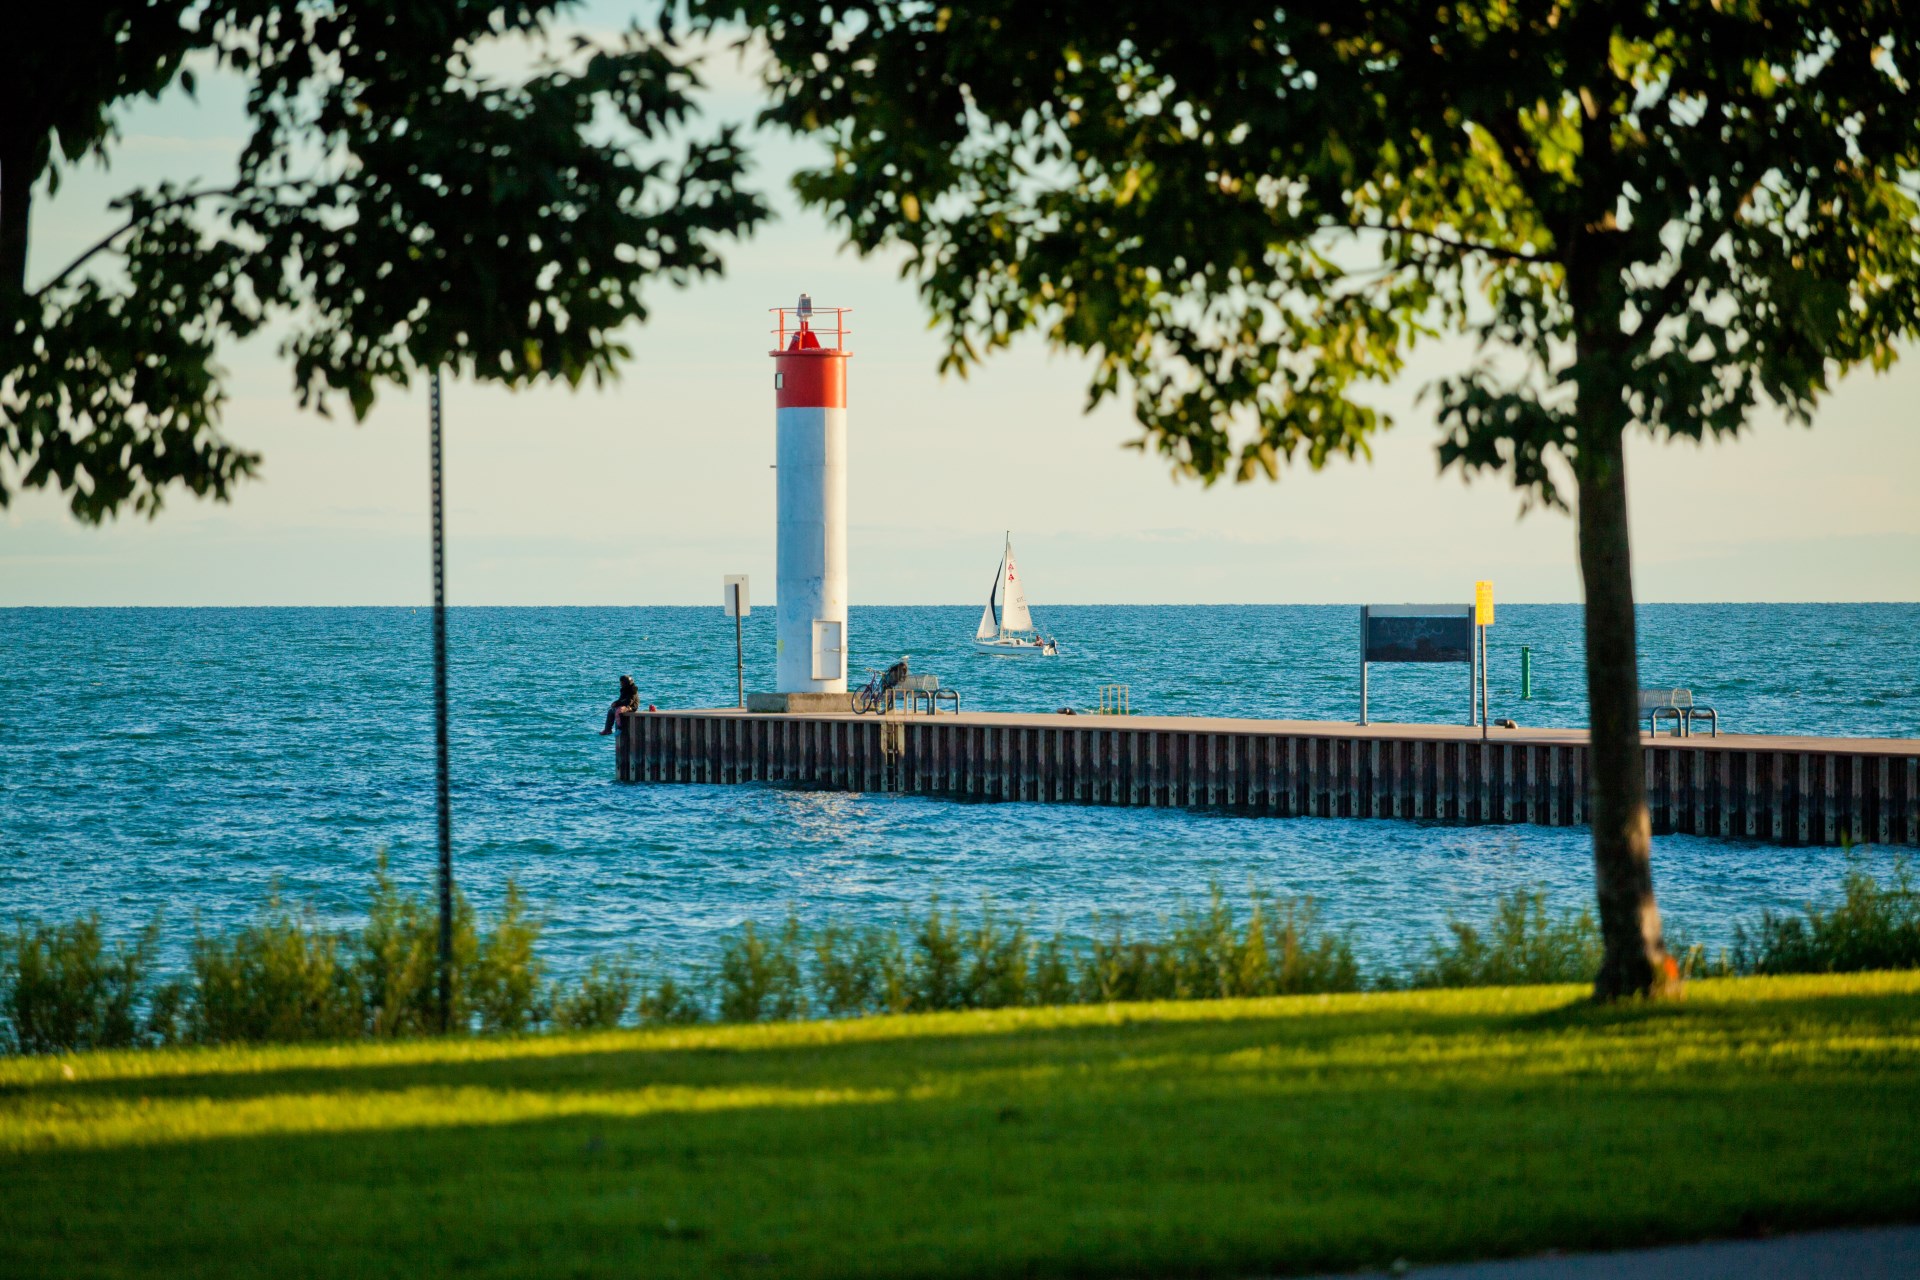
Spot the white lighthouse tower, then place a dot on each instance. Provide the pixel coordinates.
(810, 423)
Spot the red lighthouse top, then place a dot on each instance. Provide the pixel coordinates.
(810, 354)
(805, 327)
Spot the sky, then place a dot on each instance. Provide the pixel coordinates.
(649, 491)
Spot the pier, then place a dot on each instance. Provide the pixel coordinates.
(1786, 790)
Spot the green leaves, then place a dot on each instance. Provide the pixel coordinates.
(1246, 216)
(395, 210)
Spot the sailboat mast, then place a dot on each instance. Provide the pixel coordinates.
(1007, 561)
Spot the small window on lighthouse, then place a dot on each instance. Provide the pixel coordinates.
(779, 382)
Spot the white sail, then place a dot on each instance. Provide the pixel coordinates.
(990, 616)
(1013, 597)
(987, 629)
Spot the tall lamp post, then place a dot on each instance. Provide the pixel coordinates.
(441, 780)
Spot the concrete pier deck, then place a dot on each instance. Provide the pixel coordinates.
(1786, 790)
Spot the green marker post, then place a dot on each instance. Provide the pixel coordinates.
(1526, 672)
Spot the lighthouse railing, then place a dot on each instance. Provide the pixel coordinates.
(829, 324)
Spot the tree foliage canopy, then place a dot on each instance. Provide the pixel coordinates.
(1246, 212)
(1651, 213)
(398, 203)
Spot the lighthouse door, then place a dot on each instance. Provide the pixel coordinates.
(829, 650)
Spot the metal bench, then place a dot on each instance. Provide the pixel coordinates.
(1691, 711)
(1678, 706)
(913, 689)
(1657, 705)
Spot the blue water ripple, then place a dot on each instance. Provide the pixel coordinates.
(191, 761)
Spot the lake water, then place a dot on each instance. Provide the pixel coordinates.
(189, 761)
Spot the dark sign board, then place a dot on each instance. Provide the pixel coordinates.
(1417, 633)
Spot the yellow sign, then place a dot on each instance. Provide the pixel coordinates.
(1483, 604)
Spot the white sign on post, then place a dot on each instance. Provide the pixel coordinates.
(733, 598)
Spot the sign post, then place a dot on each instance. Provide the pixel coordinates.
(1482, 619)
(442, 769)
(733, 595)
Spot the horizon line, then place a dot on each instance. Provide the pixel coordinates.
(964, 604)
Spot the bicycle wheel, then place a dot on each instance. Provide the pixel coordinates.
(864, 700)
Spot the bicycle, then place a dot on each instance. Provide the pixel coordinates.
(876, 695)
(872, 696)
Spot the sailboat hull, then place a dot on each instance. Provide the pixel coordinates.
(1016, 649)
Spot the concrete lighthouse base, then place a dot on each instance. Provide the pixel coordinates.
(800, 703)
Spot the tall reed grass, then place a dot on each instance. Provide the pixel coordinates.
(61, 988)
(1522, 943)
(288, 977)
(1873, 926)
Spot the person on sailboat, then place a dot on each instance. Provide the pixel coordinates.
(629, 700)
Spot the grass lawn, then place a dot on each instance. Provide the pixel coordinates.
(1212, 1138)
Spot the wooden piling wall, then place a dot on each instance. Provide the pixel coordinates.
(1783, 790)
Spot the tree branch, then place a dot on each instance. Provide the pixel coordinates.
(1447, 242)
(106, 242)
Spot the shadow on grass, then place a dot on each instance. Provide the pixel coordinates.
(868, 1056)
(1287, 1047)
(997, 1179)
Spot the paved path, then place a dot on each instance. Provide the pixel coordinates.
(1867, 1253)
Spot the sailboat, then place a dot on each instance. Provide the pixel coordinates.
(1006, 626)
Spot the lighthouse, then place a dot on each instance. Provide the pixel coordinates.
(810, 454)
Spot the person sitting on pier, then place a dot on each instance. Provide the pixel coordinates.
(629, 700)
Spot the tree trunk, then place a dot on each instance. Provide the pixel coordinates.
(16, 200)
(1635, 959)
